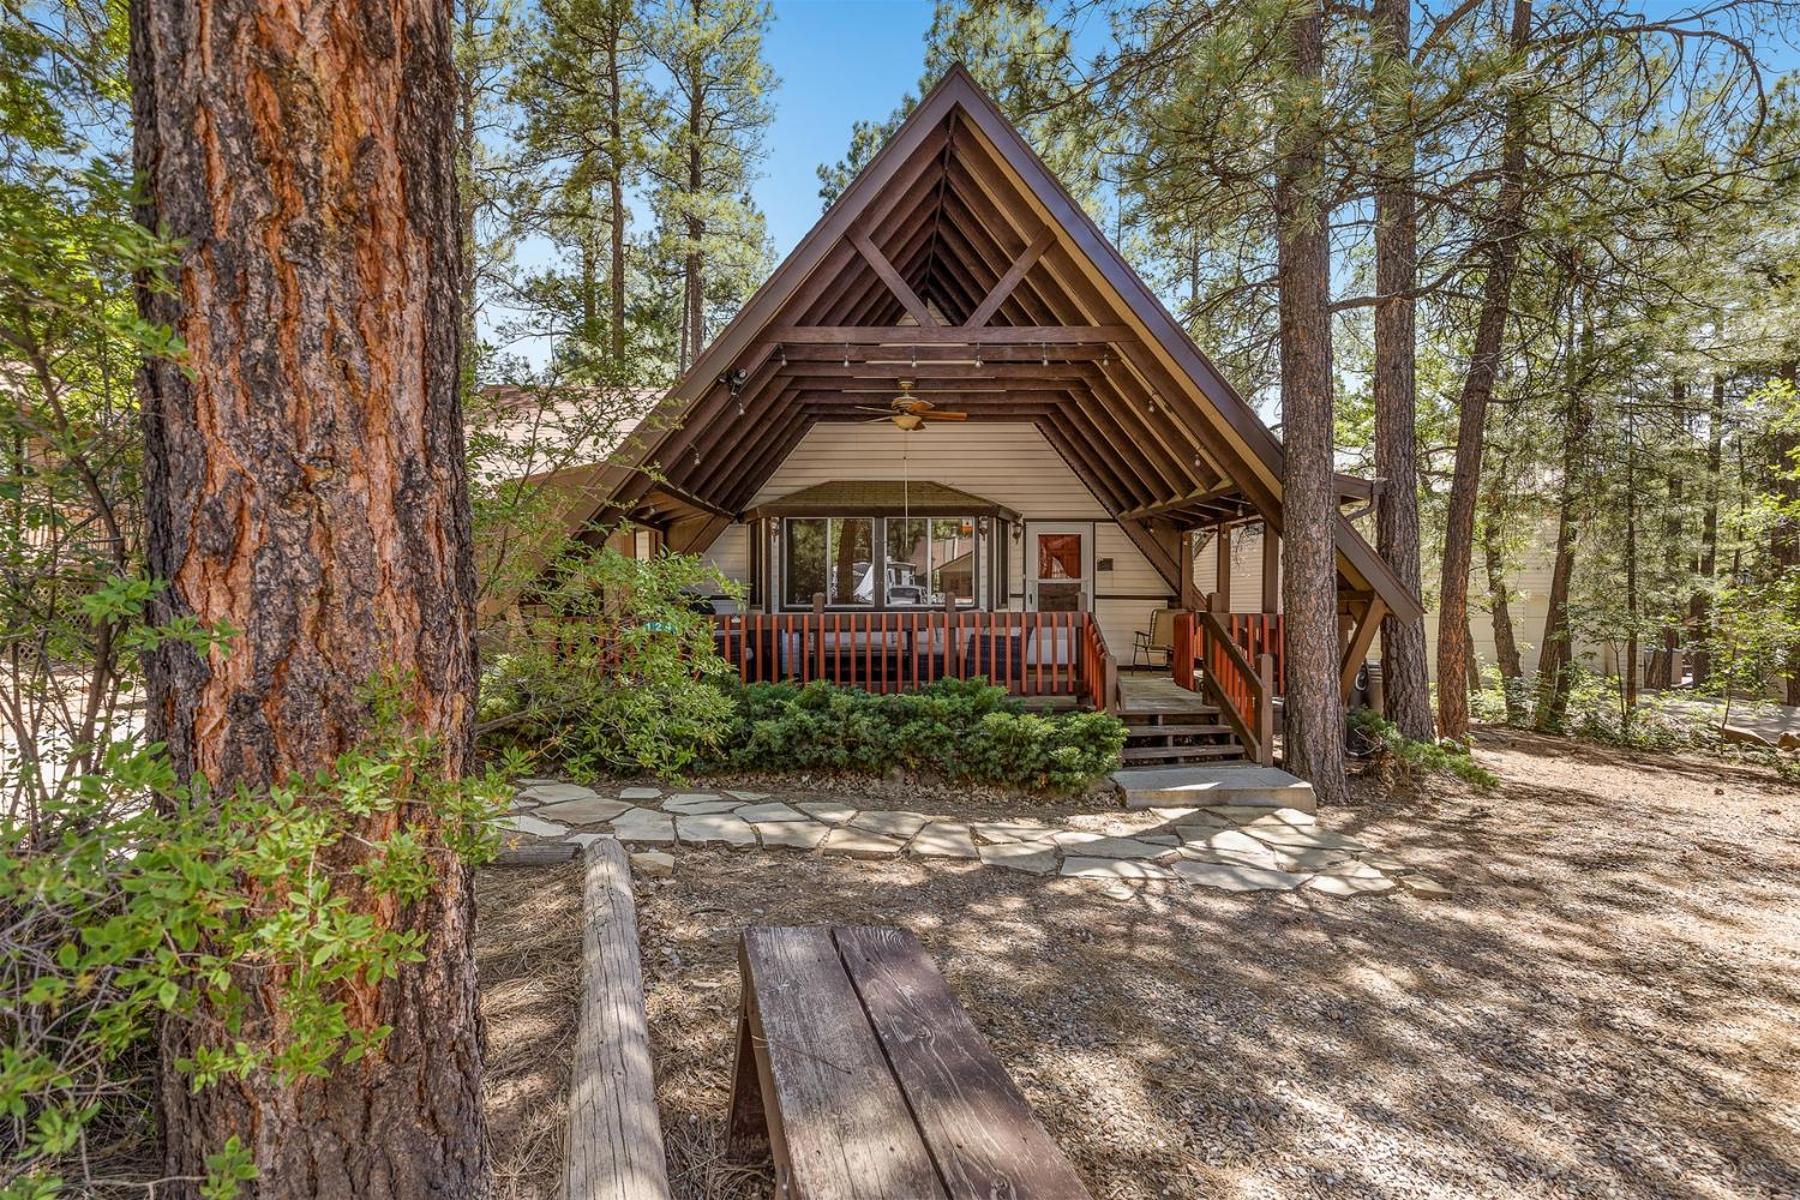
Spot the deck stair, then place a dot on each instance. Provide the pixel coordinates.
(1168, 725)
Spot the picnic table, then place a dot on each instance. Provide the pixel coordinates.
(862, 1076)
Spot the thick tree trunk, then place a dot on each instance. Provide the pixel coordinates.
(1629, 668)
(1500, 246)
(304, 482)
(1404, 673)
(1314, 739)
(1700, 607)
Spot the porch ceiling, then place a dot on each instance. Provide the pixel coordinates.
(956, 261)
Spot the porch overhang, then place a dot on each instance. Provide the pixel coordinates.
(880, 498)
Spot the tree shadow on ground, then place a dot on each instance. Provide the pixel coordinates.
(1609, 1006)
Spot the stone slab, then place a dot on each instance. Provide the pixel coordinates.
(703, 829)
(1113, 868)
(900, 825)
(1246, 786)
(945, 839)
(639, 793)
(792, 835)
(523, 823)
(1425, 887)
(1279, 816)
(584, 812)
(861, 843)
(1307, 858)
(1037, 858)
(698, 804)
(1095, 845)
(1199, 839)
(584, 840)
(1351, 885)
(757, 813)
(643, 825)
(1312, 838)
(653, 864)
(1237, 877)
(557, 793)
(996, 832)
(747, 797)
(829, 811)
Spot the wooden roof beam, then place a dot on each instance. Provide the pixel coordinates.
(997, 295)
(991, 335)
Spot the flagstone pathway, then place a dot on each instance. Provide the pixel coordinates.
(1233, 848)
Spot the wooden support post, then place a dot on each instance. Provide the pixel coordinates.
(1190, 591)
(614, 1150)
(818, 623)
(1223, 583)
(1362, 636)
(1265, 711)
(1109, 684)
(1271, 569)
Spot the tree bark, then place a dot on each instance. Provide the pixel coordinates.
(1404, 674)
(1700, 607)
(1314, 739)
(615, 182)
(1506, 643)
(1500, 246)
(1784, 536)
(304, 482)
(1556, 652)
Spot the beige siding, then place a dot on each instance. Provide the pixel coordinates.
(1010, 464)
(731, 553)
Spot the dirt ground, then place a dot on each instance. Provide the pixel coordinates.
(528, 960)
(1610, 1006)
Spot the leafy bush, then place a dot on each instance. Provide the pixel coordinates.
(131, 899)
(623, 678)
(963, 730)
(1410, 757)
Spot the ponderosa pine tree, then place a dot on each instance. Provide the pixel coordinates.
(304, 487)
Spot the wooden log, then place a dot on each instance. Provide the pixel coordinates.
(615, 1146)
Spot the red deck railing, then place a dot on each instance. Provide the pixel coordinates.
(1030, 654)
(1237, 665)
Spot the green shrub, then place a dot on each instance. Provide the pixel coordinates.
(624, 677)
(962, 730)
(131, 900)
(1409, 757)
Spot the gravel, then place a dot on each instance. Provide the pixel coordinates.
(1608, 1004)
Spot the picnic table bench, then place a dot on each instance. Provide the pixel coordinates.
(865, 1079)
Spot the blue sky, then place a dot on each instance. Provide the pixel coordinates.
(840, 61)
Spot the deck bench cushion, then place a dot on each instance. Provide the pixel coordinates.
(865, 1078)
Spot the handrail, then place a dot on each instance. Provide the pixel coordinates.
(1243, 693)
(1099, 669)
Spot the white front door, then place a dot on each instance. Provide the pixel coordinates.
(1059, 566)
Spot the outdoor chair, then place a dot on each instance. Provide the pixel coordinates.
(1146, 644)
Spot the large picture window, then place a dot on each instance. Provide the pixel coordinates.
(921, 560)
(833, 555)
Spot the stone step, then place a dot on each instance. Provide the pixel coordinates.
(1144, 754)
(1195, 786)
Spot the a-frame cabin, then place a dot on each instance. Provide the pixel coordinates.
(813, 452)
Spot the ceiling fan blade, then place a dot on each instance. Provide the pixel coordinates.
(866, 408)
(944, 416)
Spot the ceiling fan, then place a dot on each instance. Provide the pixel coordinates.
(910, 412)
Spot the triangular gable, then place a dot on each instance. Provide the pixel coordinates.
(1139, 412)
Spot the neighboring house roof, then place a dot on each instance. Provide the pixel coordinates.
(956, 260)
(877, 498)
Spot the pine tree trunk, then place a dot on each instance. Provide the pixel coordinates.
(1629, 667)
(1500, 247)
(1314, 739)
(1506, 644)
(1784, 537)
(1556, 652)
(1404, 674)
(1700, 607)
(304, 482)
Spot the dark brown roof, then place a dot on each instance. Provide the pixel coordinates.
(880, 498)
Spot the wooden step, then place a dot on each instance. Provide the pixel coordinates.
(1153, 753)
(1133, 732)
(1131, 716)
